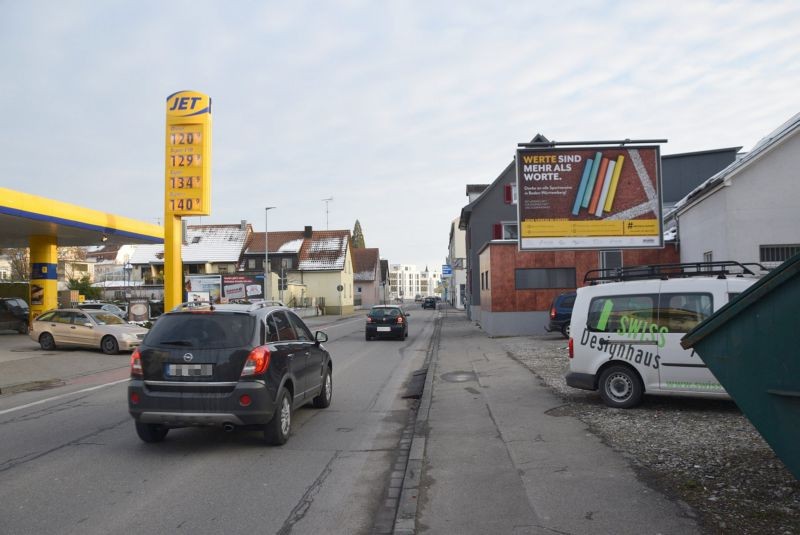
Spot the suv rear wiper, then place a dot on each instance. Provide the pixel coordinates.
(178, 342)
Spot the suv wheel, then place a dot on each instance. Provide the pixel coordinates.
(323, 400)
(23, 329)
(276, 432)
(151, 432)
(621, 387)
(565, 331)
(109, 345)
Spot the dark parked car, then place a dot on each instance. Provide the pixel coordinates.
(429, 302)
(14, 314)
(230, 366)
(561, 313)
(387, 321)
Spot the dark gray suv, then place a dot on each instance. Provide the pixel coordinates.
(230, 366)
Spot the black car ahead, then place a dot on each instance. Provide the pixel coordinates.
(429, 302)
(230, 366)
(14, 314)
(561, 313)
(386, 321)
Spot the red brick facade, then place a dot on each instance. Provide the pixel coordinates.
(498, 262)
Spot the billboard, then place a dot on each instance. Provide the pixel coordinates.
(589, 198)
(243, 286)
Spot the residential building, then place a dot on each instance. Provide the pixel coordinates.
(312, 267)
(406, 282)
(456, 283)
(748, 211)
(367, 276)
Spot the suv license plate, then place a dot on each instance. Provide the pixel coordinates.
(188, 370)
(384, 329)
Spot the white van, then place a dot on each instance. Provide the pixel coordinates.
(625, 336)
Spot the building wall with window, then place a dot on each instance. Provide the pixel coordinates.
(517, 287)
(748, 212)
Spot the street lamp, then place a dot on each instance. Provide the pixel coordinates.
(267, 294)
(128, 269)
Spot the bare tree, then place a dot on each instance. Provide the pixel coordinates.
(19, 260)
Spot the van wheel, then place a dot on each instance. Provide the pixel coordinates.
(621, 387)
(565, 331)
(276, 432)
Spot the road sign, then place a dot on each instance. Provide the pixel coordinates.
(447, 270)
(188, 154)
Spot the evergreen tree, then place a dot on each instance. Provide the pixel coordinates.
(358, 236)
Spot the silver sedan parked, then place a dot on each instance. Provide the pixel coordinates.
(86, 328)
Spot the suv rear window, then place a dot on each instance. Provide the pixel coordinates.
(202, 330)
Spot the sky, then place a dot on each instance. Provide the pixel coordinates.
(389, 107)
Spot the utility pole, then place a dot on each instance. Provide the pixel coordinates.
(326, 201)
(267, 295)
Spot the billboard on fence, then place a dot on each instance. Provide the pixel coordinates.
(589, 198)
(243, 286)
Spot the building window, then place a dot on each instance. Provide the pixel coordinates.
(539, 278)
(222, 269)
(610, 259)
(251, 263)
(510, 231)
(777, 253)
(708, 256)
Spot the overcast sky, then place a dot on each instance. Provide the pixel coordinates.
(389, 107)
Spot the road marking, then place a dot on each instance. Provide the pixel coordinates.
(47, 400)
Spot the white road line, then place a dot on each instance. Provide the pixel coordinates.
(96, 387)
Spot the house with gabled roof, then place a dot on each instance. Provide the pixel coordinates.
(206, 249)
(306, 265)
(748, 211)
(367, 276)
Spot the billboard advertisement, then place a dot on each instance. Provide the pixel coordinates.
(589, 198)
(243, 286)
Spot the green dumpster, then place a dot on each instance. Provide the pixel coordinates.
(752, 346)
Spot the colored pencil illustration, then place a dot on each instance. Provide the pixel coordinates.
(606, 186)
(587, 195)
(598, 187)
(582, 187)
(614, 183)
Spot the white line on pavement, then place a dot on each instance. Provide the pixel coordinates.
(96, 387)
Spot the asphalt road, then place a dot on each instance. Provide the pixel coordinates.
(70, 460)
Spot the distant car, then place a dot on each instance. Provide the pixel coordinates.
(86, 328)
(418, 298)
(561, 313)
(429, 302)
(228, 366)
(14, 314)
(108, 307)
(386, 321)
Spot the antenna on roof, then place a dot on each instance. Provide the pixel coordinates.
(326, 201)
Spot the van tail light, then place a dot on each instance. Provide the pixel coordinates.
(552, 312)
(136, 364)
(571, 348)
(399, 320)
(257, 362)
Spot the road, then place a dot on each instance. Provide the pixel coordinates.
(70, 460)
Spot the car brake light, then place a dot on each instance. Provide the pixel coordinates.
(136, 364)
(399, 320)
(552, 312)
(571, 348)
(257, 362)
(134, 398)
(369, 320)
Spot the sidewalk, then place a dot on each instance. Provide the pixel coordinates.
(499, 459)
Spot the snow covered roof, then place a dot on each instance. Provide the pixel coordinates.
(279, 242)
(365, 264)
(326, 250)
(760, 148)
(204, 244)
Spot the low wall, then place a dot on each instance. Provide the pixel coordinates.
(514, 323)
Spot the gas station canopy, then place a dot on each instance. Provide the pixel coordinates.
(23, 215)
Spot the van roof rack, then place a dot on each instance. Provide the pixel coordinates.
(720, 269)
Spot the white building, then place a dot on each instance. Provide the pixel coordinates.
(456, 284)
(407, 282)
(748, 212)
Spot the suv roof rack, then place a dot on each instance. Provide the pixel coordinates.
(189, 305)
(720, 269)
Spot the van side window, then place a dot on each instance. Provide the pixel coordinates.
(680, 312)
(621, 313)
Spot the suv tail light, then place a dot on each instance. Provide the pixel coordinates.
(552, 312)
(136, 363)
(369, 319)
(257, 362)
(571, 348)
(399, 320)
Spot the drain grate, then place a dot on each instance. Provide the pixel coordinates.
(416, 384)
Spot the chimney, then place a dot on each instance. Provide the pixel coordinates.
(307, 232)
(243, 224)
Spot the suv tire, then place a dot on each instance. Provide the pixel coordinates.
(276, 432)
(620, 387)
(151, 433)
(565, 331)
(323, 400)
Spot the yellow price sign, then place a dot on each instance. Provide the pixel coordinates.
(188, 154)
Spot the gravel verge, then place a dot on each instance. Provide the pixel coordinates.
(703, 452)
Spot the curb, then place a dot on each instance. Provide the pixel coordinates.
(405, 521)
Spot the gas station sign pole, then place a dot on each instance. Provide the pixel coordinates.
(187, 188)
